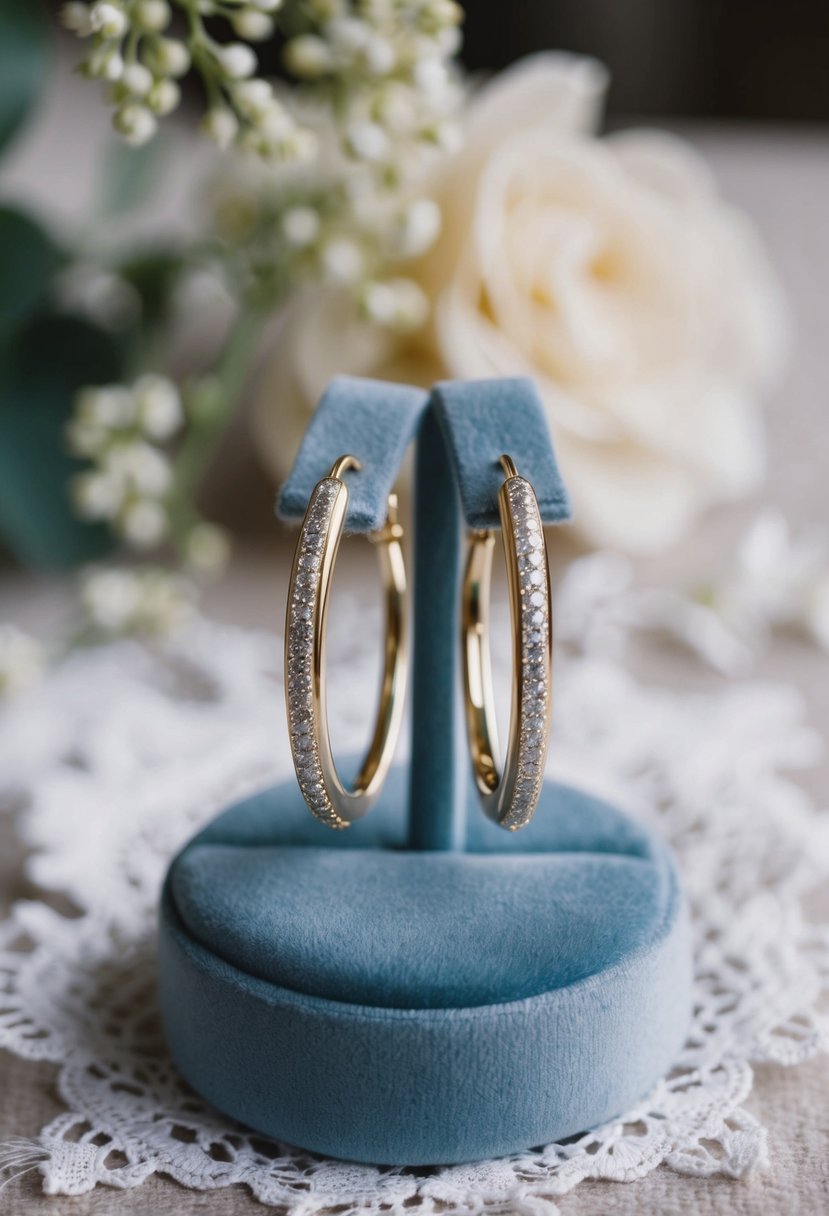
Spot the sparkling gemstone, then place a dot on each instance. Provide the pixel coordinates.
(536, 599)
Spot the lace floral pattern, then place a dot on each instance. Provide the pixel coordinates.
(114, 783)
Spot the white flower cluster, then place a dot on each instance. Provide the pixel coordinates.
(130, 52)
(143, 601)
(388, 59)
(382, 71)
(21, 660)
(119, 430)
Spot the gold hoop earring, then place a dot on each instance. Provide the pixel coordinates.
(510, 797)
(305, 682)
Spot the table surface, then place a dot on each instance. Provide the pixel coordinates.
(782, 178)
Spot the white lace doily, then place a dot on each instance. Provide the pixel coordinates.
(124, 751)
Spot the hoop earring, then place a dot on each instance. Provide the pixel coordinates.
(305, 683)
(509, 797)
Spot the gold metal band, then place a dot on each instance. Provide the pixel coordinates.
(305, 683)
(510, 797)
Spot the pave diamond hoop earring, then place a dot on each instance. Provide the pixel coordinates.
(509, 797)
(316, 552)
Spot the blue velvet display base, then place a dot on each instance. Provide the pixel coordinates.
(343, 993)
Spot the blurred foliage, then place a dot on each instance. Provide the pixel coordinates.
(43, 363)
(24, 55)
(30, 260)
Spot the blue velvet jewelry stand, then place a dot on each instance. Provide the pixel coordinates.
(424, 987)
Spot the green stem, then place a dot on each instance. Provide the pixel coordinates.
(211, 406)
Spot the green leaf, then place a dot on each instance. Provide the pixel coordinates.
(29, 260)
(41, 369)
(24, 55)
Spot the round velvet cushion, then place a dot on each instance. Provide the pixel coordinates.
(341, 993)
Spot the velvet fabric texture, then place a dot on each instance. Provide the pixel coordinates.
(485, 419)
(340, 992)
(369, 419)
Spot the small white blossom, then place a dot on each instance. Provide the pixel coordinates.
(136, 123)
(163, 97)
(379, 55)
(237, 60)
(398, 304)
(152, 16)
(342, 261)
(308, 56)
(85, 438)
(97, 495)
(448, 136)
(22, 660)
(158, 406)
(120, 601)
(140, 466)
(300, 226)
(275, 123)
(137, 79)
(368, 141)
(253, 24)
(111, 406)
(430, 76)
(104, 63)
(111, 599)
(254, 98)
(167, 57)
(347, 36)
(208, 548)
(417, 228)
(77, 18)
(266, 6)
(300, 146)
(165, 602)
(144, 524)
(108, 20)
(221, 125)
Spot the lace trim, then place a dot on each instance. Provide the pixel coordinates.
(115, 783)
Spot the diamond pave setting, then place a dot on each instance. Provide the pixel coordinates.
(533, 657)
(304, 607)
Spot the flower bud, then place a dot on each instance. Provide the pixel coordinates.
(342, 261)
(300, 226)
(137, 79)
(167, 57)
(136, 123)
(237, 60)
(220, 125)
(308, 57)
(152, 16)
(77, 18)
(108, 20)
(158, 405)
(164, 96)
(144, 523)
(253, 24)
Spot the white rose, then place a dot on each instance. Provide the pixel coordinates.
(611, 272)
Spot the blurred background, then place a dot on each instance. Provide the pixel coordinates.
(744, 82)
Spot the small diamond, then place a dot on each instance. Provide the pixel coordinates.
(536, 599)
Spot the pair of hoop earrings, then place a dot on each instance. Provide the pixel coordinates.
(509, 794)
